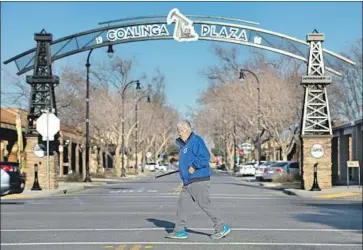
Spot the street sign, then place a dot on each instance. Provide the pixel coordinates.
(247, 147)
(353, 164)
(240, 152)
(48, 124)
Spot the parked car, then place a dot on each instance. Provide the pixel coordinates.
(12, 181)
(163, 167)
(281, 168)
(222, 167)
(152, 166)
(247, 169)
(263, 168)
(5, 182)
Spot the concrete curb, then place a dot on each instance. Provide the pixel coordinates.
(82, 187)
(318, 195)
(289, 192)
(57, 192)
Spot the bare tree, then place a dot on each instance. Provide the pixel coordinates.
(233, 103)
(346, 92)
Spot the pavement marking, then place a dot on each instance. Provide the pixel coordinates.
(135, 247)
(107, 195)
(121, 247)
(148, 247)
(177, 189)
(132, 190)
(17, 196)
(66, 213)
(332, 196)
(197, 229)
(106, 247)
(186, 243)
(169, 195)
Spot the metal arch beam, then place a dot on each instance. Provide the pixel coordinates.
(170, 37)
(163, 22)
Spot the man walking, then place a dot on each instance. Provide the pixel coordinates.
(194, 171)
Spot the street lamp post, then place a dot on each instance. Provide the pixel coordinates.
(234, 146)
(136, 130)
(110, 54)
(123, 171)
(242, 76)
(88, 177)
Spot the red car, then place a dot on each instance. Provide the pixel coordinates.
(16, 180)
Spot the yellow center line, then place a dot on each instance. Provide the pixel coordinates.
(121, 247)
(17, 196)
(148, 247)
(345, 194)
(135, 247)
(178, 188)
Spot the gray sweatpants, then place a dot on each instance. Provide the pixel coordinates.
(199, 193)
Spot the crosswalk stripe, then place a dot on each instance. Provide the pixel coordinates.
(134, 191)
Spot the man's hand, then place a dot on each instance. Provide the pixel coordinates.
(191, 170)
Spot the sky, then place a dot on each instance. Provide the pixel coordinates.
(341, 22)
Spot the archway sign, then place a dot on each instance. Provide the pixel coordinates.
(181, 28)
(316, 123)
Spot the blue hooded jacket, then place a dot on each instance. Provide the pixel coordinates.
(193, 153)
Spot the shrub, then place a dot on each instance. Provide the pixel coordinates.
(285, 178)
(131, 173)
(74, 177)
(97, 175)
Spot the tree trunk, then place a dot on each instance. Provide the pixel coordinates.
(118, 160)
(128, 160)
(284, 153)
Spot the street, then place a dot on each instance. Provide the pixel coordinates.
(133, 215)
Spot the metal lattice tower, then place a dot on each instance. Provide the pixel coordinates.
(42, 82)
(316, 116)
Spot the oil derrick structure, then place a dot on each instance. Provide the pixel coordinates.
(316, 116)
(42, 84)
(316, 131)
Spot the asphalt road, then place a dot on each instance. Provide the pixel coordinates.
(135, 215)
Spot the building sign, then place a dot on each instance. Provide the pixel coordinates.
(317, 151)
(353, 164)
(184, 31)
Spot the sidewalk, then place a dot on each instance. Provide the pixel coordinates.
(65, 188)
(336, 192)
(353, 192)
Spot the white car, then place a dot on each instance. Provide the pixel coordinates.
(152, 166)
(281, 168)
(247, 169)
(260, 170)
(5, 183)
(163, 168)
